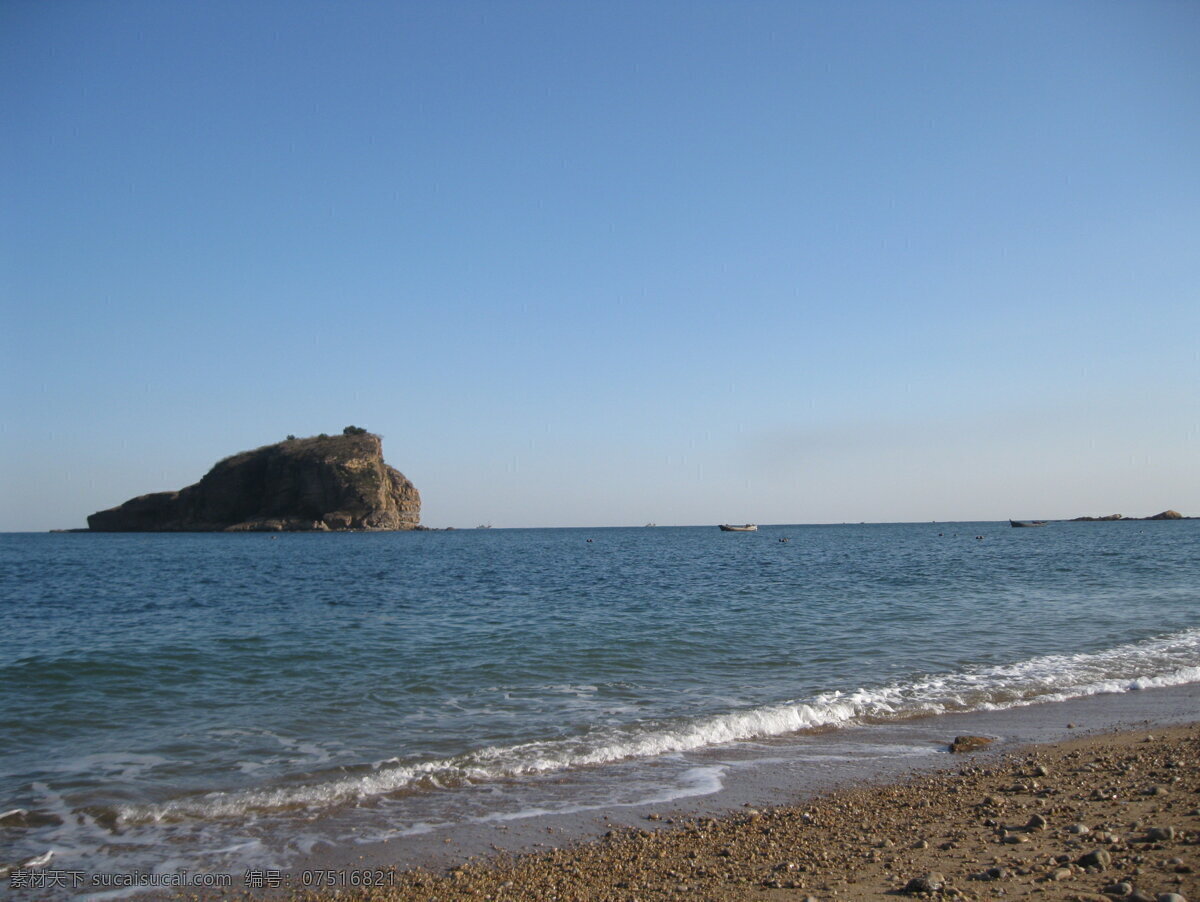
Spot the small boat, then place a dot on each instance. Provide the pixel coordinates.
(1026, 522)
(745, 527)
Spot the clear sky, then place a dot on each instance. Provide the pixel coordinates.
(606, 263)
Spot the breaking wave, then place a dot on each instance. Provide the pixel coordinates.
(1164, 661)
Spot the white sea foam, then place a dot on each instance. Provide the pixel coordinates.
(1166, 661)
(695, 781)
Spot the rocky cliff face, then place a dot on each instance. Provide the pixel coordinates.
(322, 483)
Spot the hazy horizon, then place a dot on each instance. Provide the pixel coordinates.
(609, 264)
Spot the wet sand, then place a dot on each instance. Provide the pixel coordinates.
(1100, 816)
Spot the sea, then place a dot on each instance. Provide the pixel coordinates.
(205, 704)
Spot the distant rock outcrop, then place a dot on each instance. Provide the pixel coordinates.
(321, 483)
(1165, 515)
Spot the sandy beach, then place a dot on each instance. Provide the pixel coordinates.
(1109, 816)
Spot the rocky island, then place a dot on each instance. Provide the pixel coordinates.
(320, 483)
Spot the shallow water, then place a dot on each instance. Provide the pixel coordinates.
(220, 701)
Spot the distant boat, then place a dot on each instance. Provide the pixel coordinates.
(747, 527)
(484, 526)
(1026, 522)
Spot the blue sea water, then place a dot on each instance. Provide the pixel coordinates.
(213, 700)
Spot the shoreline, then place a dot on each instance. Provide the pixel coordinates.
(799, 774)
(785, 769)
(1094, 817)
(805, 823)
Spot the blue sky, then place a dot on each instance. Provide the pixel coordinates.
(608, 263)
